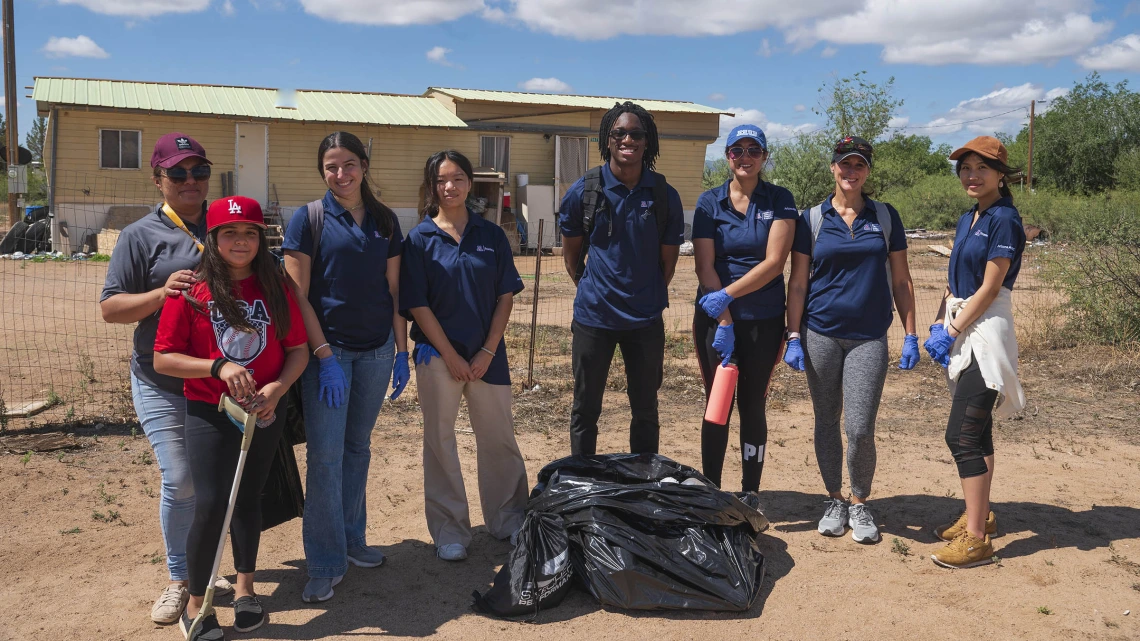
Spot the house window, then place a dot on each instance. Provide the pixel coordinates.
(495, 151)
(119, 149)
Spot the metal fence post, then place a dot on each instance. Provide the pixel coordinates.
(534, 305)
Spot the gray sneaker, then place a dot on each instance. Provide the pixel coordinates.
(834, 518)
(863, 528)
(365, 556)
(319, 589)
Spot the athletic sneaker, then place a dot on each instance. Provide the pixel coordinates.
(863, 528)
(451, 552)
(170, 604)
(965, 551)
(248, 614)
(208, 631)
(319, 589)
(834, 517)
(950, 531)
(364, 556)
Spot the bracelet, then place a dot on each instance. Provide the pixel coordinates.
(320, 346)
(951, 323)
(484, 349)
(217, 366)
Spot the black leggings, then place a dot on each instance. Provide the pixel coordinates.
(970, 430)
(213, 444)
(758, 345)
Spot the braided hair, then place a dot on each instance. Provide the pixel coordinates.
(652, 146)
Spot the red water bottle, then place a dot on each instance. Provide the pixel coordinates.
(720, 399)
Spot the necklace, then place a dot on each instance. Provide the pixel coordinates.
(359, 205)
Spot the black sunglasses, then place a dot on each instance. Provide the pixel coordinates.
(180, 174)
(619, 134)
(849, 147)
(738, 152)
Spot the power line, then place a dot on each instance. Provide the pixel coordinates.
(963, 122)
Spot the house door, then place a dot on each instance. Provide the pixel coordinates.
(571, 157)
(252, 162)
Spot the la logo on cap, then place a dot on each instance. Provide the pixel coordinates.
(235, 208)
(182, 143)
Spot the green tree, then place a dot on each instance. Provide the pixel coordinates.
(35, 139)
(801, 165)
(716, 172)
(856, 107)
(901, 161)
(1079, 139)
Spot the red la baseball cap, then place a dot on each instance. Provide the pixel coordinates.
(173, 148)
(234, 209)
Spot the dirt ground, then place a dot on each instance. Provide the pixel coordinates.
(81, 553)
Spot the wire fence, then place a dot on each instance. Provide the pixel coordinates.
(57, 352)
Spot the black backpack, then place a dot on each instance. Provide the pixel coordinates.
(594, 198)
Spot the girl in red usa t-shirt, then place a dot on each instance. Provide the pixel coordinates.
(238, 331)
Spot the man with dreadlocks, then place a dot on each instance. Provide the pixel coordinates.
(632, 224)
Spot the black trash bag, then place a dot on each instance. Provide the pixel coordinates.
(14, 241)
(648, 533)
(538, 573)
(283, 496)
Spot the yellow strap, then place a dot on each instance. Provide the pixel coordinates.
(177, 220)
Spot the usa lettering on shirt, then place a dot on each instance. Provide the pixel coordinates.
(240, 346)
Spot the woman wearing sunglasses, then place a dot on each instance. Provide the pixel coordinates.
(742, 233)
(154, 259)
(848, 263)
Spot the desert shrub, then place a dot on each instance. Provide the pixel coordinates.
(932, 202)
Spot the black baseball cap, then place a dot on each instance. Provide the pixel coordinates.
(852, 146)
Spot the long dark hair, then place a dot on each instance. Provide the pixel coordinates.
(383, 216)
(431, 177)
(652, 142)
(215, 273)
(1005, 170)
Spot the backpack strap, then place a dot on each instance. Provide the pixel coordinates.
(592, 198)
(815, 222)
(885, 224)
(316, 211)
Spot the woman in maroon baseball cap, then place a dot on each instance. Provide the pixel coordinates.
(237, 331)
(154, 259)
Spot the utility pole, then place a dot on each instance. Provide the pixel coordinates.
(1029, 168)
(10, 96)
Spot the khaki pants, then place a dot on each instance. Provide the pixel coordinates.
(502, 474)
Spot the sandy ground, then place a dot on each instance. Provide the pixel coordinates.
(81, 554)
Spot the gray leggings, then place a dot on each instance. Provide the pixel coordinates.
(845, 374)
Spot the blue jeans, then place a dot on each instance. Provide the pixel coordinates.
(338, 455)
(162, 415)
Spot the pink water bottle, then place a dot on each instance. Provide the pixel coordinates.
(720, 399)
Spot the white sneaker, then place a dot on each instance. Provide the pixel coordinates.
(451, 552)
(170, 604)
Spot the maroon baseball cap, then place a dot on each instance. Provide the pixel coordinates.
(173, 148)
(234, 209)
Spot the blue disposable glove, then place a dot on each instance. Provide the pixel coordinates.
(939, 344)
(724, 342)
(423, 353)
(794, 355)
(333, 382)
(910, 352)
(400, 374)
(714, 303)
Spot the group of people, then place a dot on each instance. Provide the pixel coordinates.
(218, 314)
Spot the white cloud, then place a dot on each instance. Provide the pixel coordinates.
(765, 48)
(773, 131)
(990, 111)
(140, 8)
(828, 52)
(392, 12)
(800, 107)
(228, 8)
(1122, 54)
(78, 47)
(438, 55)
(898, 121)
(545, 85)
(716, 97)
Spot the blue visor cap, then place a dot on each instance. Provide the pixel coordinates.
(746, 131)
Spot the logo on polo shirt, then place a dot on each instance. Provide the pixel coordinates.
(872, 227)
(764, 215)
(376, 234)
(235, 208)
(240, 346)
(645, 205)
(982, 234)
(1005, 247)
(484, 248)
(182, 143)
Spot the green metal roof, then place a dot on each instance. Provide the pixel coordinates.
(586, 102)
(247, 102)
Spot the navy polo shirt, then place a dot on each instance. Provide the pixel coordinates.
(741, 242)
(460, 283)
(849, 296)
(997, 234)
(348, 282)
(622, 287)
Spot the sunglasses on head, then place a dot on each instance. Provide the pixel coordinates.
(619, 135)
(180, 174)
(738, 152)
(849, 146)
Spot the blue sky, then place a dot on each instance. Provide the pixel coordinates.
(763, 59)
